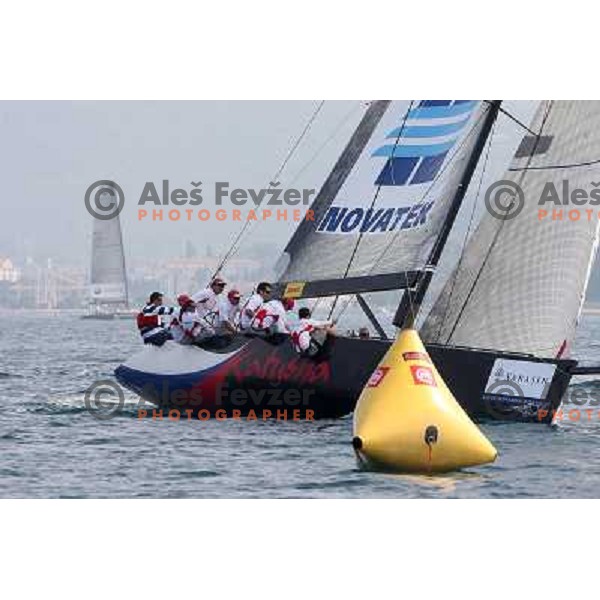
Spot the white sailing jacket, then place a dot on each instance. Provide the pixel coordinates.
(228, 312)
(271, 316)
(301, 332)
(206, 304)
(252, 305)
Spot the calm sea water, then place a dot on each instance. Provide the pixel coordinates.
(50, 446)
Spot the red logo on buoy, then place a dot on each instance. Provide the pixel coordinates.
(423, 376)
(415, 356)
(377, 376)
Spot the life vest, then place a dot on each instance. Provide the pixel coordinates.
(145, 322)
(186, 329)
(149, 318)
(245, 322)
(297, 334)
(176, 326)
(262, 314)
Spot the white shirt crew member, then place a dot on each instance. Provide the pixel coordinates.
(227, 312)
(206, 302)
(254, 303)
(276, 319)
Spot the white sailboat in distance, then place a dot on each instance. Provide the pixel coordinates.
(108, 294)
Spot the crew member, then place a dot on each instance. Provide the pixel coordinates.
(271, 317)
(229, 312)
(363, 333)
(206, 301)
(309, 335)
(149, 320)
(185, 327)
(262, 295)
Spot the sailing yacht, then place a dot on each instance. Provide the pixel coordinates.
(108, 298)
(500, 331)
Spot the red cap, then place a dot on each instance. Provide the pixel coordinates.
(288, 303)
(233, 295)
(184, 300)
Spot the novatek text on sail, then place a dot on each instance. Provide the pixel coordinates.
(339, 219)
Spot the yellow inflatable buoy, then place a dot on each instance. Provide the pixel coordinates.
(407, 420)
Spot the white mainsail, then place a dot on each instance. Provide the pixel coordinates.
(108, 280)
(381, 210)
(521, 282)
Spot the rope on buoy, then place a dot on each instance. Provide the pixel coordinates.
(431, 437)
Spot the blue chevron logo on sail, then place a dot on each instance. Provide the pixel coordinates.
(417, 149)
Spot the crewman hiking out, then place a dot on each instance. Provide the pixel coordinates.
(271, 317)
(249, 310)
(309, 335)
(229, 312)
(207, 304)
(150, 323)
(185, 326)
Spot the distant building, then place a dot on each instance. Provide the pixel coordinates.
(8, 272)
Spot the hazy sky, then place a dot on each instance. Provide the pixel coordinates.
(50, 152)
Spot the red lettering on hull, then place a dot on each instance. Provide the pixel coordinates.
(276, 369)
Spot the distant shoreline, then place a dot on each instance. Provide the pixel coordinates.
(589, 309)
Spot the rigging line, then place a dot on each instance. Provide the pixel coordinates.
(537, 140)
(517, 121)
(434, 182)
(458, 149)
(237, 241)
(447, 166)
(373, 201)
(468, 232)
(336, 130)
(233, 250)
(551, 167)
(300, 138)
(444, 168)
(496, 236)
(438, 241)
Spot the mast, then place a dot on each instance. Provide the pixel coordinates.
(124, 268)
(411, 301)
